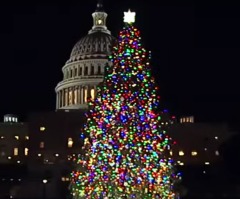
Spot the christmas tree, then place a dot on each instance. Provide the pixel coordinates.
(126, 151)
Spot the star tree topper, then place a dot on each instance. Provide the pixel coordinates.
(129, 17)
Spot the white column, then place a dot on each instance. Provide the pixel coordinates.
(79, 95)
(63, 97)
(82, 94)
(95, 92)
(56, 100)
(66, 100)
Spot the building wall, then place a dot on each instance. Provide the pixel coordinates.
(55, 136)
(14, 140)
(198, 143)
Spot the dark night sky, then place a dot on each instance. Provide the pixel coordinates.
(195, 50)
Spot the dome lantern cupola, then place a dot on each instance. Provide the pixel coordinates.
(99, 19)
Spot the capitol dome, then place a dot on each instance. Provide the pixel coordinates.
(94, 45)
(84, 70)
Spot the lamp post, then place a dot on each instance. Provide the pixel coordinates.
(45, 181)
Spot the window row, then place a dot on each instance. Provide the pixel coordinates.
(16, 137)
(83, 71)
(75, 95)
(182, 163)
(69, 144)
(193, 153)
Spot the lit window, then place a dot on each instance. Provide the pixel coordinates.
(2, 137)
(92, 93)
(41, 145)
(194, 153)
(181, 153)
(85, 95)
(192, 119)
(216, 137)
(27, 137)
(15, 151)
(63, 179)
(16, 137)
(42, 128)
(26, 151)
(171, 153)
(181, 164)
(70, 98)
(217, 153)
(207, 163)
(70, 143)
(75, 96)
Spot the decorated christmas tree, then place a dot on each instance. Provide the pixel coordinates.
(126, 151)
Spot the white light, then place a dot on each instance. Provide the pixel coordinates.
(129, 17)
(207, 163)
(181, 153)
(44, 181)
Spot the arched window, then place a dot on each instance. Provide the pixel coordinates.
(86, 70)
(99, 70)
(92, 70)
(75, 73)
(80, 71)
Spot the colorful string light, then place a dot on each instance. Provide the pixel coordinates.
(126, 149)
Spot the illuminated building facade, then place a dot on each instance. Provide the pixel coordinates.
(14, 138)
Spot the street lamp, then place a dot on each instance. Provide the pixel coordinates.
(45, 181)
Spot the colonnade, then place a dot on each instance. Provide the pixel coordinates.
(75, 95)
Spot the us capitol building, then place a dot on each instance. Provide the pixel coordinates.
(84, 69)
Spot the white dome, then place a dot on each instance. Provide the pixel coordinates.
(94, 45)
